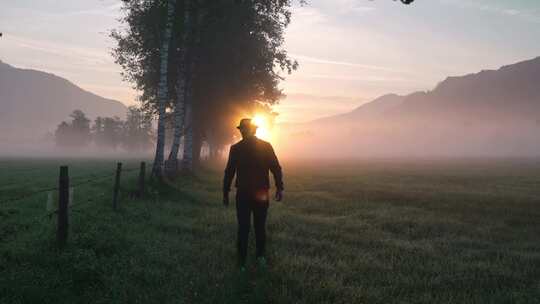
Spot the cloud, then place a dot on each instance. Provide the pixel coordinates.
(359, 78)
(354, 6)
(340, 63)
(304, 97)
(82, 54)
(307, 16)
(91, 68)
(531, 15)
(108, 11)
(329, 11)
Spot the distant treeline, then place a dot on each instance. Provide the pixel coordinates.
(133, 134)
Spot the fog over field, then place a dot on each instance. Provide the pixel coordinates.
(491, 113)
(32, 105)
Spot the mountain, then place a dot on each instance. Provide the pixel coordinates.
(511, 92)
(493, 112)
(33, 103)
(370, 109)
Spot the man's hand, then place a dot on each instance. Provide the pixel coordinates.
(279, 195)
(226, 199)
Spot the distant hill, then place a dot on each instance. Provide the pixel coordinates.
(493, 112)
(509, 93)
(33, 103)
(368, 110)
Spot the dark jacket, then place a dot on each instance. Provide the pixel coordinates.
(251, 159)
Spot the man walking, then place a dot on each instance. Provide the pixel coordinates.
(251, 159)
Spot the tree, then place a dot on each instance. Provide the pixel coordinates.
(191, 60)
(238, 64)
(246, 47)
(112, 132)
(184, 68)
(221, 32)
(62, 135)
(137, 132)
(81, 127)
(98, 132)
(163, 90)
(108, 132)
(76, 133)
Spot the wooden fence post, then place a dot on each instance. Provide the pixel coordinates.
(117, 185)
(63, 201)
(141, 179)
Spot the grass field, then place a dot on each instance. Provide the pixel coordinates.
(464, 231)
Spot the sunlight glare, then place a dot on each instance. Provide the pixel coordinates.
(263, 127)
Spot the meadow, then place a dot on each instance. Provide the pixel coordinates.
(364, 231)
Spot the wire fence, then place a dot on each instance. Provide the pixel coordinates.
(81, 181)
(65, 195)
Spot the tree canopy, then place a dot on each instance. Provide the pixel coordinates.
(232, 61)
(240, 57)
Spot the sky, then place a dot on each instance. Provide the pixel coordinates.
(349, 51)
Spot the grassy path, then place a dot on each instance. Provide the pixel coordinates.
(383, 232)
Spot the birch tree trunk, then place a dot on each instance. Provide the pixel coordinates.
(163, 91)
(191, 61)
(179, 109)
(187, 159)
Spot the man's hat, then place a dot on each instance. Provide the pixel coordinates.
(246, 124)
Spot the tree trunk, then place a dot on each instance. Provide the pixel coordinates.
(187, 159)
(163, 91)
(213, 146)
(191, 61)
(197, 147)
(179, 111)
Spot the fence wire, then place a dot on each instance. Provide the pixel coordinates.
(88, 179)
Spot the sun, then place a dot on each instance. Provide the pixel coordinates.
(263, 127)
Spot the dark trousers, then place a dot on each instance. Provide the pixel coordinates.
(246, 204)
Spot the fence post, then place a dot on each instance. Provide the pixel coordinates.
(63, 201)
(117, 185)
(141, 179)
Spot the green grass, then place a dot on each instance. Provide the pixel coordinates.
(463, 231)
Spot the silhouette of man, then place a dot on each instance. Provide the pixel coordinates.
(251, 159)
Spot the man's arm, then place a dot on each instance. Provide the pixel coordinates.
(230, 171)
(275, 168)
